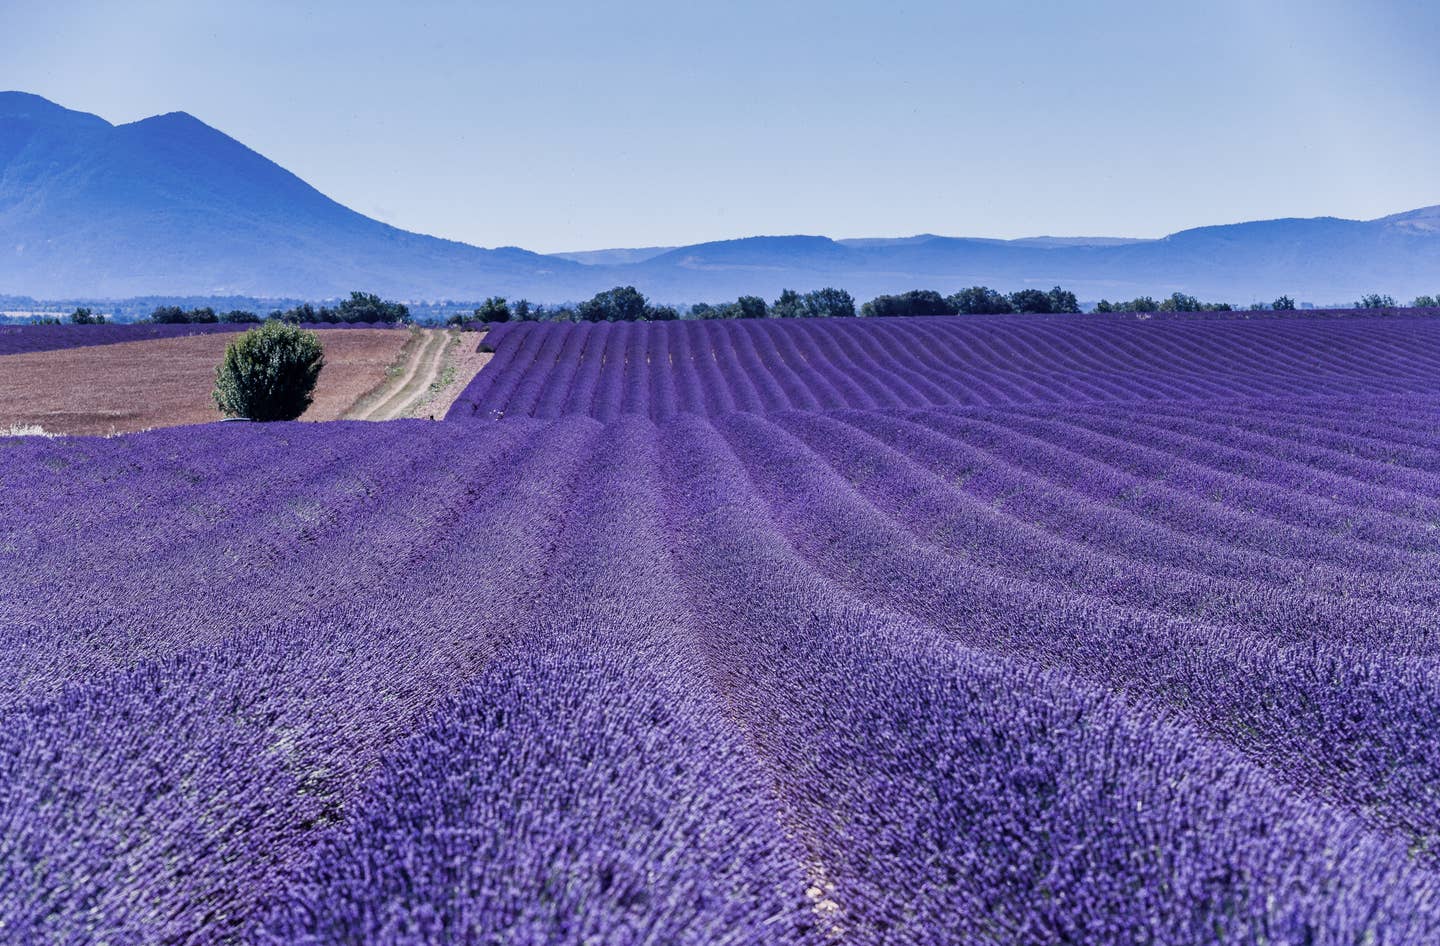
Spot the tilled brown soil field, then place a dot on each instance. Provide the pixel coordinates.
(114, 389)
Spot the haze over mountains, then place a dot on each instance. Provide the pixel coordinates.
(171, 206)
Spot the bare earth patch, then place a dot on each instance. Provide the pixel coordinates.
(114, 389)
(433, 368)
(463, 360)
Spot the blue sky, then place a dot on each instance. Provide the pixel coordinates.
(571, 125)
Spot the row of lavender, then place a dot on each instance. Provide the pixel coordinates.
(659, 370)
(25, 339)
(1112, 673)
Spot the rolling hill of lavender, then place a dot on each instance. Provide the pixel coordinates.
(1022, 630)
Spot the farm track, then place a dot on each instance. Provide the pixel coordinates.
(421, 362)
(750, 634)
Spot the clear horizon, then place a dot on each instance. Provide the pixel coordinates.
(562, 127)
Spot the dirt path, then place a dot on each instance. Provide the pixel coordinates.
(419, 358)
(424, 379)
(463, 360)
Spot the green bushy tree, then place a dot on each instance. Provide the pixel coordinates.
(1030, 300)
(751, 307)
(1283, 304)
(788, 306)
(493, 309)
(1064, 301)
(269, 373)
(169, 315)
(1376, 301)
(980, 300)
(914, 302)
(367, 307)
(1180, 302)
(84, 316)
(829, 303)
(621, 304)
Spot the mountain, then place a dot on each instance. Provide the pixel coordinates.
(1324, 259)
(171, 206)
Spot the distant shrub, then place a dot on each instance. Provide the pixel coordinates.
(980, 300)
(1425, 302)
(1283, 304)
(751, 307)
(175, 315)
(820, 304)
(366, 307)
(360, 307)
(914, 302)
(1375, 301)
(621, 304)
(84, 316)
(493, 309)
(269, 373)
(1031, 300)
(168, 315)
(240, 317)
(788, 306)
(828, 303)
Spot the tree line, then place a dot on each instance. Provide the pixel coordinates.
(627, 304)
(360, 307)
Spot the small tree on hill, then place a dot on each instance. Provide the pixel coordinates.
(1283, 304)
(269, 373)
(1376, 301)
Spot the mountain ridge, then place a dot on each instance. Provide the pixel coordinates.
(170, 205)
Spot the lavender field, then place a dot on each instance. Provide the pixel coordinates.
(925, 631)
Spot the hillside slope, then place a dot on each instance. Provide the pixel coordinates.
(171, 205)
